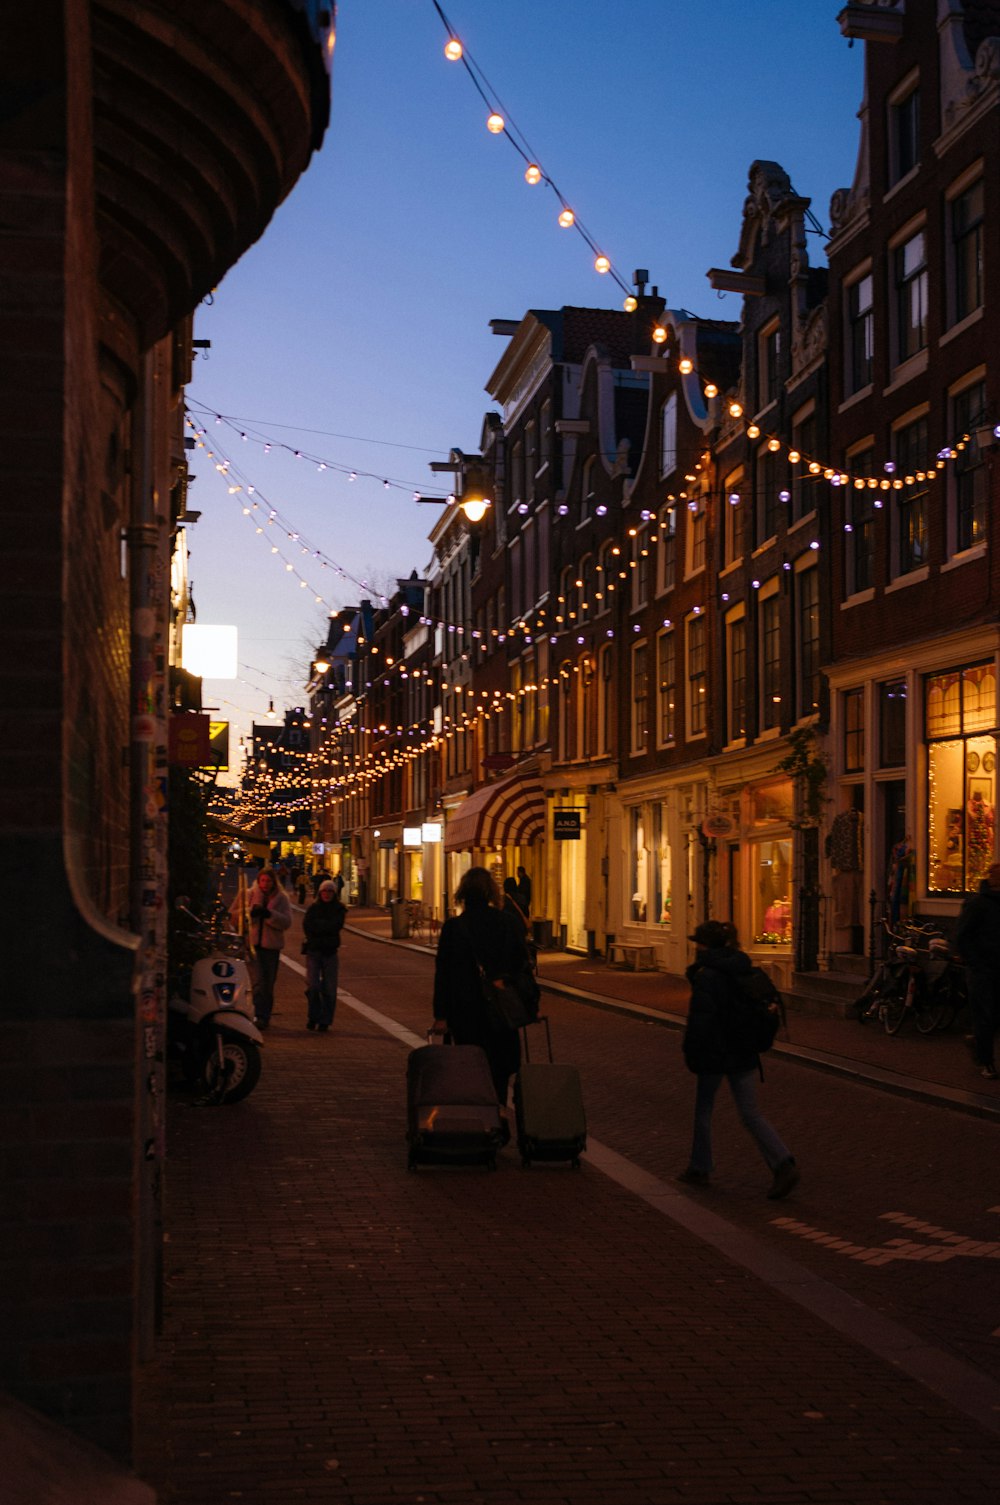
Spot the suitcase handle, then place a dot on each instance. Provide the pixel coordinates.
(542, 1019)
(445, 1037)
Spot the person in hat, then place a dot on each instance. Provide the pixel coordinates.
(322, 923)
(713, 1051)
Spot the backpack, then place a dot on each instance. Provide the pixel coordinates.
(758, 1012)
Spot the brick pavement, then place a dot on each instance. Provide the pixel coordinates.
(338, 1330)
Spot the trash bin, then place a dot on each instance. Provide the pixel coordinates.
(541, 933)
(400, 917)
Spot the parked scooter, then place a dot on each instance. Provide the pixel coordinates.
(211, 1030)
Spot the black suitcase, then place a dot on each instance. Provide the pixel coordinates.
(452, 1108)
(548, 1103)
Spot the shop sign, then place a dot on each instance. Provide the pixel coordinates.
(566, 825)
(188, 740)
(430, 832)
(412, 836)
(718, 824)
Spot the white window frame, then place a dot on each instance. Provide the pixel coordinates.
(735, 484)
(768, 384)
(769, 717)
(957, 190)
(666, 549)
(901, 95)
(668, 436)
(638, 746)
(806, 565)
(737, 615)
(699, 618)
(852, 387)
(665, 688)
(955, 391)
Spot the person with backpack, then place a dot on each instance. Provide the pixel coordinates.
(322, 924)
(733, 1018)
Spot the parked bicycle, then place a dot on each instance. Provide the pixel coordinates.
(919, 978)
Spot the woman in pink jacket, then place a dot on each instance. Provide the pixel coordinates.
(269, 916)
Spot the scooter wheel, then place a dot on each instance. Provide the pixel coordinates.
(242, 1059)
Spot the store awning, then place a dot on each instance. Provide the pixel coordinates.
(510, 812)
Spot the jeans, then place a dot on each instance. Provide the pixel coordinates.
(267, 974)
(743, 1085)
(984, 1006)
(321, 987)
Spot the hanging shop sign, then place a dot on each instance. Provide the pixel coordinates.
(717, 824)
(566, 825)
(188, 740)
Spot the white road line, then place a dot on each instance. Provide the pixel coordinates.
(967, 1389)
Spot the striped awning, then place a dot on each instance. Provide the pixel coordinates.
(510, 812)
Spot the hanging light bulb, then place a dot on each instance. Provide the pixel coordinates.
(659, 334)
(532, 173)
(602, 265)
(494, 123)
(685, 365)
(453, 49)
(567, 218)
(272, 713)
(711, 390)
(753, 432)
(736, 410)
(631, 304)
(774, 445)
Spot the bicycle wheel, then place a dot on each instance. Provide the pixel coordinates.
(894, 1010)
(933, 1013)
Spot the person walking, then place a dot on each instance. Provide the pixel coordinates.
(322, 923)
(320, 876)
(481, 936)
(512, 906)
(270, 915)
(977, 941)
(524, 891)
(713, 1050)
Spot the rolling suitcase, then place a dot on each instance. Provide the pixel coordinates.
(548, 1103)
(452, 1108)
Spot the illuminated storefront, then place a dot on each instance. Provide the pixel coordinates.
(960, 716)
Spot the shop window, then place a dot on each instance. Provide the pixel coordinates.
(909, 271)
(640, 699)
(662, 886)
(960, 722)
(968, 476)
(860, 335)
(666, 689)
(668, 436)
(697, 675)
(772, 891)
(854, 731)
(638, 864)
(967, 251)
(892, 724)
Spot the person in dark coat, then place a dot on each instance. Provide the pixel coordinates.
(322, 923)
(712, 1050)
(523, 891)
(977, 941)
(481, 934)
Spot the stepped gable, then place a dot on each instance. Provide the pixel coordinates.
(982, 20)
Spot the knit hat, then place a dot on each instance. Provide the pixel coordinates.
(711, 934)
(328, 886)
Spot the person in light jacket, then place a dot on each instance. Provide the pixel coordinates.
(270, 915)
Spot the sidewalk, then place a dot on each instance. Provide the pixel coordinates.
(930, 1068)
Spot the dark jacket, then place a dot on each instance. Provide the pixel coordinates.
(482, 934)
(709, 1045)
(322, 922)
(977, 935)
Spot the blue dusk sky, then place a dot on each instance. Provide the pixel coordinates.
(357, 328)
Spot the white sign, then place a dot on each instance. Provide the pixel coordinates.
(210, 652)
(430, 831)
(412, 836)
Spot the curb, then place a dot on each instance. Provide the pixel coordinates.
(974, 1104)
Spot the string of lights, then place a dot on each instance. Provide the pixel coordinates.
(499, 122)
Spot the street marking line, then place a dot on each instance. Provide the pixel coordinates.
(966, 1389)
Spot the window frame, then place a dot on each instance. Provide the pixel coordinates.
(737, 705)
(904, 129)
(668, 436)
(696, 675)
(969, 462)
(808, 678)
(859, 331)
(639, 702)
(769, 354)
(666, 687)
(909, 336)
(770, 670)
(911, 512)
